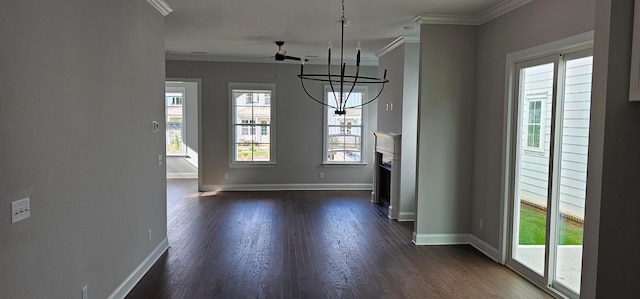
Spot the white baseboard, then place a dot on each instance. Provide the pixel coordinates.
(458, 239)
(440, 239)
(485, 248)
(291, 187)
(186, 175)
(393, 213)
(127, 285)
(406, 216)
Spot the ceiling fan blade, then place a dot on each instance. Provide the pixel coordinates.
(295, 58)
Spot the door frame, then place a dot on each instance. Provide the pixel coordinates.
(571, 44)
(198, 82)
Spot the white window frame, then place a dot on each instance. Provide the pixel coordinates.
(542, 98)
(183, 132)
(571, 44)
(363, 136)
(272, 126)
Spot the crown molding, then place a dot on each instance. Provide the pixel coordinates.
(500, 9)
(445, 19)
(396, 43)
(480, 19)
(161, 6)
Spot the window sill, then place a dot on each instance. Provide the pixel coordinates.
(252, 165)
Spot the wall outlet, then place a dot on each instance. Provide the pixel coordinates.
(481, 224)
(159, 160)
(149, 235)
(85, 292)
(20, 210)
(321, 175)
(226, 175)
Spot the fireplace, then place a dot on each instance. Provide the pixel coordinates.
(386, 182)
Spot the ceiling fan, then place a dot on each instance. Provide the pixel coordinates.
(281, 55)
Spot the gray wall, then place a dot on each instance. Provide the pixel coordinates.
(612, 234)
(298, 126)
(410, 127)
(402, 64)
(81, 83)
(445, 129)
(391, 98)
(554, 20)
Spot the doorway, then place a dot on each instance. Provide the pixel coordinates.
(182, 127)
(549, 168)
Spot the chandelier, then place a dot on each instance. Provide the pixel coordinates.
(342, 81)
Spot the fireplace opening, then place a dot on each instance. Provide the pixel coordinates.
(384, 179)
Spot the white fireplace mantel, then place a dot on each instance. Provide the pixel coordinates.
(387, 144)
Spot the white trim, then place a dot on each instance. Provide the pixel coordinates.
(483, 17)
(272, 123)
(396, 43)
(500, 9)
(441, 239)
(127, 285)
(286, 187)
(486, 249)
(185, 175)
(406, 216)
(446, 19)
(458, 239)
(198, 82)
(161, 6)
(574, 43)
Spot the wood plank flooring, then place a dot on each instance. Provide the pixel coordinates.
(309, 244)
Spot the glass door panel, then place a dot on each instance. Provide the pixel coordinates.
(533, 154)
(572, 165)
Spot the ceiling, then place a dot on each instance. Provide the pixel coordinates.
(245, 30)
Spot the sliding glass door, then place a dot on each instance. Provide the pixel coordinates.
(549, 171)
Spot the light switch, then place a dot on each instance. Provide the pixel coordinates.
(20, 210)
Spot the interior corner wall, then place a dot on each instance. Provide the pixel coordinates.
(82, 80)
(536, 23)
(610, 269)
(299, 127)
(409, 142)
(398, 113)
(445, 132)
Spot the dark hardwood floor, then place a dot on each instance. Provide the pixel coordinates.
(309, 244)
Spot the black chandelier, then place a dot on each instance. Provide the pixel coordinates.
(344, 81)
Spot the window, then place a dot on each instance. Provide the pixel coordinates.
(533, 126)
(343, 133)
(252, 123)
(534, 120)
(546, 177)
(174, 113)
